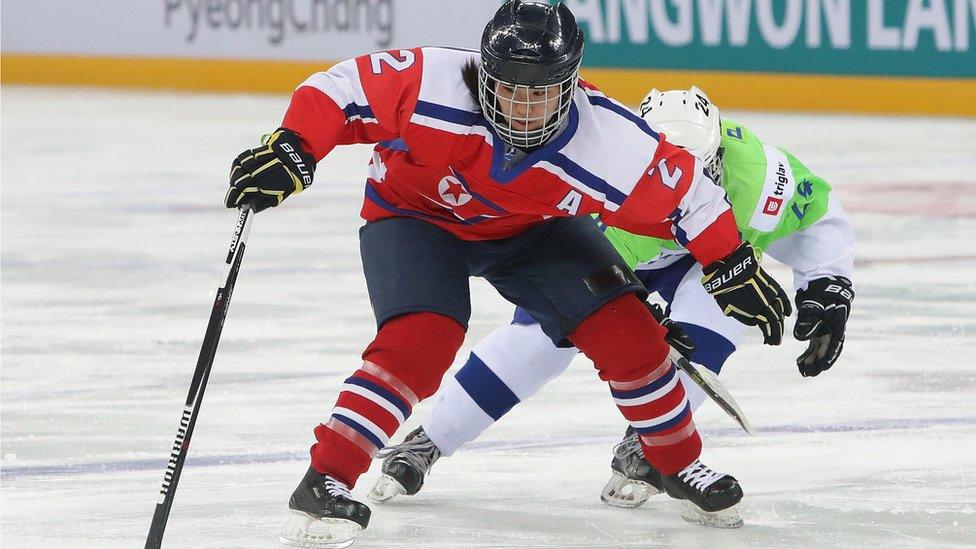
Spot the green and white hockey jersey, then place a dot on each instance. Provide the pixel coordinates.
(777, 201)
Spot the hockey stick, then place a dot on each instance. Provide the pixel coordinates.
(199, 383)
(714, 388)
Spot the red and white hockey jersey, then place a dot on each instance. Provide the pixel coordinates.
(437, 158)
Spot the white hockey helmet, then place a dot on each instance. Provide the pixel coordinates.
(689, 120)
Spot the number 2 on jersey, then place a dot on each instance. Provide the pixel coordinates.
(377, 60)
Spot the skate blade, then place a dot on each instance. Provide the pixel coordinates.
(385, 489)
(726, 518)
(304, 530)
(620, 491)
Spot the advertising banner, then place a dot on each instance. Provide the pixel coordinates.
(907, 56)
(925, 38)
(292, 30)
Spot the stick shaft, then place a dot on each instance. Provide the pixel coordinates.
(199, 382)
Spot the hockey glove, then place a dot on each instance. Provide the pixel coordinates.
(676, 336)
(821, 318)
(265, 176)
(745, 292)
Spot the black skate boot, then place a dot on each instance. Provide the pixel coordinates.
(405, 466)
(634, 480)
(709, 498)
(323, 514)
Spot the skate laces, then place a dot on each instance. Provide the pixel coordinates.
(335, 487)
(630, 446)
(419, 451)
(699, 475)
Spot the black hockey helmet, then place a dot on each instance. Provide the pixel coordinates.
(529, 46)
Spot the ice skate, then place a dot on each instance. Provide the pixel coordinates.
(323, 514)
(405, 466)
(709, 498)
(634, 480)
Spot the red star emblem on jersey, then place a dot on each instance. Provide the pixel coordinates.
(452, 191)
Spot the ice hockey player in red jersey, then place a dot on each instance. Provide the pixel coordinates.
(490, 164)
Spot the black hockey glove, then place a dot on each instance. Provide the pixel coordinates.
(747, 293)
(265, 176)
(676, 336)
(821, 318)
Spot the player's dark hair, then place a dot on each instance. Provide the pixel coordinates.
(469, 73)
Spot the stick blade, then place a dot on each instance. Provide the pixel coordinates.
(708, 381)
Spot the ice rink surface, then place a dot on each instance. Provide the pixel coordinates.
(113, 234)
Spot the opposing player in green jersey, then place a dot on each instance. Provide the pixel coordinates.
(780, 206)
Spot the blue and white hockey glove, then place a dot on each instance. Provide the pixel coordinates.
(822, 311)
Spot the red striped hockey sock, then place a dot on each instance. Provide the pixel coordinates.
(402, 366)
(627, 346)
(656, 407)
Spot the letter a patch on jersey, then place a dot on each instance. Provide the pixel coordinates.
(571, 202)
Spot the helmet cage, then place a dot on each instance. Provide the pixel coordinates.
(714, 164)
(525, 100)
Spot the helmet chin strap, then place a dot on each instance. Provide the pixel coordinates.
(528, 150)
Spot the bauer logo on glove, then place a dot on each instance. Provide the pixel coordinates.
(299, 164)
(822, 311)
(715, 283)
(748, 294)
(263, 177)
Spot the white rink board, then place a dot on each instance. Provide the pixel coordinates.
(296, 30)
(112, 240)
